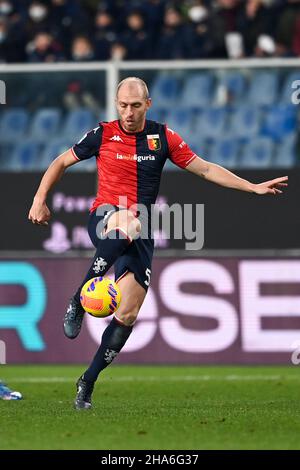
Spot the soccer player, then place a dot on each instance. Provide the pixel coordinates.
(7, 394)
(130, 155)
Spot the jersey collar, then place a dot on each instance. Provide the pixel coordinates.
(131, 133)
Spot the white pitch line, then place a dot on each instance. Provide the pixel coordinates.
(185, 378)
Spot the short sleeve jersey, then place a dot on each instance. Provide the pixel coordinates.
(129, 165)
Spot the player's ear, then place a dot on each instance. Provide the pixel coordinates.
(149, 103)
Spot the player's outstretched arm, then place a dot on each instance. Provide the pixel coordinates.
(39, 213)
(219, 175)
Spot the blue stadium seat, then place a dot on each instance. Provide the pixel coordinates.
(5, 155)
(13, 125)
(52, 150)
(211, 124)
(24, 157)
(6, 149)
(234, 86)
(156, 114)
(197, 91)
(45, 124)
(170, 166)
(101, 116)
(84, 165)
(225, 152)
(285, 156)
(258, 153)
(280, 121)
(263, 89)
(245, 122)
(287, 90)
(200, 147)
(165, 90)
(77, 123)
(180, 121)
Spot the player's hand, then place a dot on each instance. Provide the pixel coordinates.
(39, 213)
(271, 187)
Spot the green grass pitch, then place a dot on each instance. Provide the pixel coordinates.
(143, 407)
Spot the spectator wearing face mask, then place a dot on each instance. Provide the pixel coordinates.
(6, 8)
(199, 34)
(10, 11)
(38, 18)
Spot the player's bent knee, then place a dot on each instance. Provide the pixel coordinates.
(127, 314)
(128, 319)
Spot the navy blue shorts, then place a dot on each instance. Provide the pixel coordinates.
(137, 258)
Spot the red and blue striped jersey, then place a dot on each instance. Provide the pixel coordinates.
(129, 165)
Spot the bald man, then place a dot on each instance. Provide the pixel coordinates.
(130, 155)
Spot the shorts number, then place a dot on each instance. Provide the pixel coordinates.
(148, 275)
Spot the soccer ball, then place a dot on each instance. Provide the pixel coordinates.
(100, 297)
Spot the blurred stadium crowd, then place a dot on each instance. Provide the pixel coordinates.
(37, 31)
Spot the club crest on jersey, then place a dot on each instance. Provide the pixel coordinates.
(153, 142)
